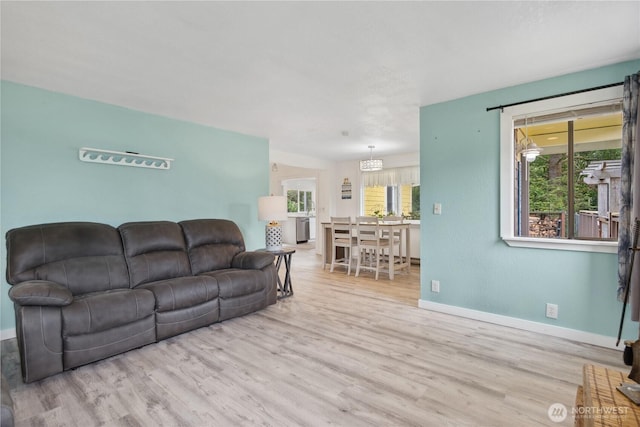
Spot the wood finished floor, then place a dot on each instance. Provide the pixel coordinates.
(342, 351)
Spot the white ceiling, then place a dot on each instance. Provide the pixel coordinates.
(304, 73)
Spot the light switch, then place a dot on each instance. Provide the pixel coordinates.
(437, 208)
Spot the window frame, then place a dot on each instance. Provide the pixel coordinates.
(397, 199)
(395, 192)
(507, 171)
(310, 193)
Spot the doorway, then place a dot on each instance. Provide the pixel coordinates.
(300, 227)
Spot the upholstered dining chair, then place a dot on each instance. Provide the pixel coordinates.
(341, 237)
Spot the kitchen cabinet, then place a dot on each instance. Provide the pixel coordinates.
(289, 231)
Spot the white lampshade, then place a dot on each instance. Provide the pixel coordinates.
(272, 208)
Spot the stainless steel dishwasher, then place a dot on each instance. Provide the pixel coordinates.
(302, 229)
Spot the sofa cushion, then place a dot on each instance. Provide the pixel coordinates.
(91, 313)
(234, 282)
(82, 256)
(212, 243)
(182, 292)
(88, 274)
(154, 251)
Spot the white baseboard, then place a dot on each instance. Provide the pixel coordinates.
(527, 325)
(6, 334)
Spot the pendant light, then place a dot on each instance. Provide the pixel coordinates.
(528, 148)
(371, 164)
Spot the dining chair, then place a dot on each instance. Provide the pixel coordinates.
(396, 238)
(371, 244)
(341, 237)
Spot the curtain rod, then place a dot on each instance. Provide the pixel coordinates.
(502, 107)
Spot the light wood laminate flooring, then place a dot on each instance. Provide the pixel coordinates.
(343, 351)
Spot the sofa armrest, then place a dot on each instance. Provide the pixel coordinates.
(40, 292)
(256, 260)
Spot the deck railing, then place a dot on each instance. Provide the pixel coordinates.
(590, 224)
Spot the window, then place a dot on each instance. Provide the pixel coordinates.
(560, 162)
(392, 200)
(299, 201)
(392, 192)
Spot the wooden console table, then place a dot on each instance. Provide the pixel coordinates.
(598, 403)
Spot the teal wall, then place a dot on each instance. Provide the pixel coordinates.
(460, 168)
(216, 173)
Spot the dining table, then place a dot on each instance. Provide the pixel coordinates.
(386, 227)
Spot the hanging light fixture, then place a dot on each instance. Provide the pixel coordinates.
(371, 164)
(527, 147)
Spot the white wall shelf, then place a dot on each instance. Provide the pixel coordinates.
(123, 158)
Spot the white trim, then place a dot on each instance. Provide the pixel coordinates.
(609, 247)
(507, 176)
(527, 325)
(6, 334)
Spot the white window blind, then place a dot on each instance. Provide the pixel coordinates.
(393, 176)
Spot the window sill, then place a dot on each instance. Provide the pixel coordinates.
(610, 247)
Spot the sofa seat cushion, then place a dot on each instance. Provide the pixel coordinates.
(236, 282)
(182, 292)
(100, 311)
(241, 291)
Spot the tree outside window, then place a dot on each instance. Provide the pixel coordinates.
(299, 201)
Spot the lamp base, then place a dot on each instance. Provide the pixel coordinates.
(273, 237)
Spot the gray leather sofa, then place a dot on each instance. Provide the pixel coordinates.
(86, 291)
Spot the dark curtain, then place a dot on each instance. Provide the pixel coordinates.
(630, 188)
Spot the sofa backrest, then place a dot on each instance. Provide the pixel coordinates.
(154, 250)
(211, 243)
(83, 256)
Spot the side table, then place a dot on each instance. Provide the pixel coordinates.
(598, 403)
(285, 289)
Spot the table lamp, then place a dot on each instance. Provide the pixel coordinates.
(272, 209)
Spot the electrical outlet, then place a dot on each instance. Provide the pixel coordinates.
(552, 311)
(435, 286)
